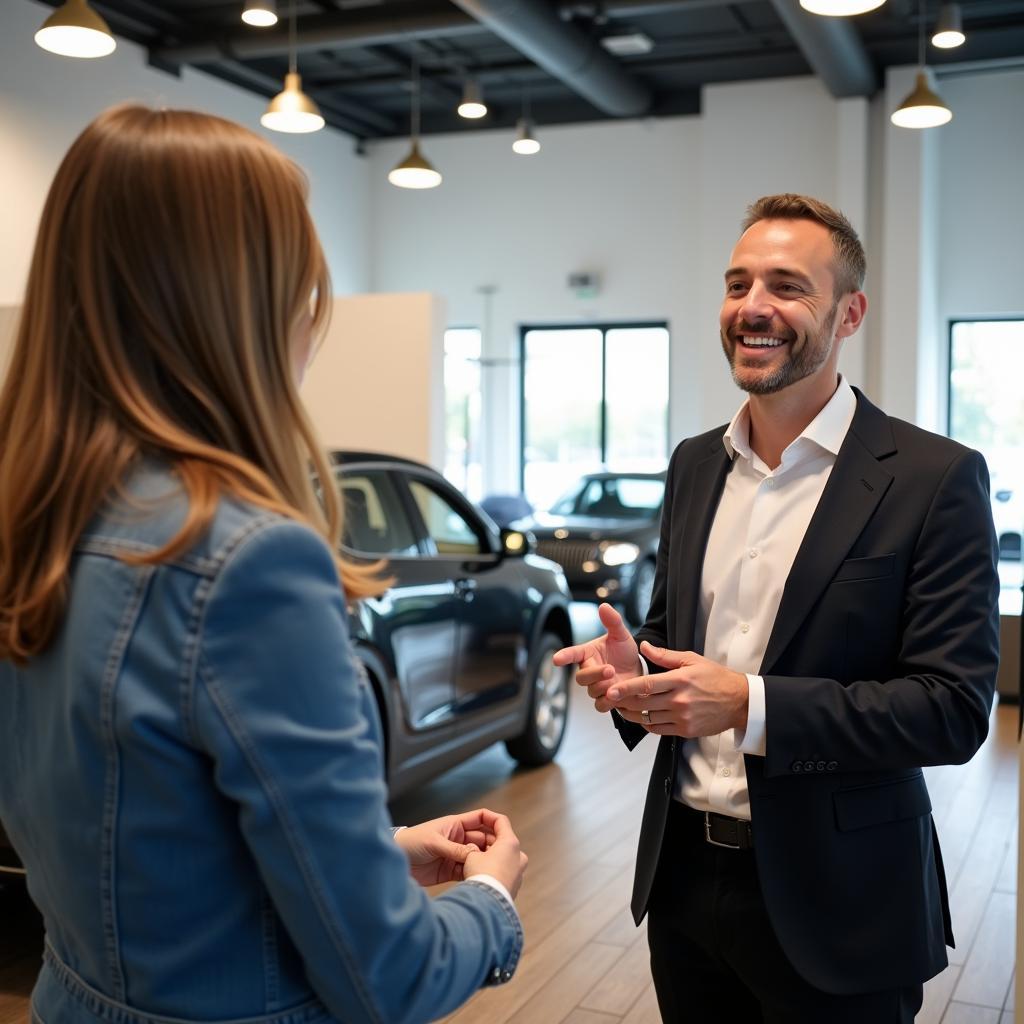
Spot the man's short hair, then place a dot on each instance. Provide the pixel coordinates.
(849, 264)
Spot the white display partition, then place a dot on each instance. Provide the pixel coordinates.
(377, 381)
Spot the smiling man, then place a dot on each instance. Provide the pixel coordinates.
(824, 623)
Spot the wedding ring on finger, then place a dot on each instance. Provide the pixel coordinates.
(646, 716)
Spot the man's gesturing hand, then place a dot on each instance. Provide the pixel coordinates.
(605, 661)
(695, 697)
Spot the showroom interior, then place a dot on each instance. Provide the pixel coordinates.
(449, 304)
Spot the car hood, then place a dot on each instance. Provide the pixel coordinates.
(545, 526)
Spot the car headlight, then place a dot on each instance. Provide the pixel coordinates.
(619, 554)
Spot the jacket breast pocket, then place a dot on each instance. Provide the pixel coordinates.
(881, 802)
(874, 568)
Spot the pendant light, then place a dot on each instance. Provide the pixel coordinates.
(415, 171)
(949, 31)
(76, 30)
(922, 108)
(260, 13)
(525, 144)
(291, 110)
(472, 105)
(840, 8)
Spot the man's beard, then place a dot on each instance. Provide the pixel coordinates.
(799, 364)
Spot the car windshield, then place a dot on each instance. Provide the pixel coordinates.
(617, 497)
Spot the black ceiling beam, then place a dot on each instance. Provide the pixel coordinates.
(328, 32)
(535, 29)
(832, 48)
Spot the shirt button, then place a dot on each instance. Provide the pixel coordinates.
(744, 627)
(726, 772)
(752, 552)
(770, 482)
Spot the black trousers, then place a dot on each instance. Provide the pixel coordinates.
(714, 954)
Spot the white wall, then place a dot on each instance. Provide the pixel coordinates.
(980, 212)
(46, 100)
(376, 382)
(654, 206)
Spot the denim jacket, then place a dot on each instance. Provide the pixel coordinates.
(192, 776)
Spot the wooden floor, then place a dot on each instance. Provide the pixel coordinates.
(585, 963)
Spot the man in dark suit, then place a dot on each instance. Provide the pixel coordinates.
(824, 623)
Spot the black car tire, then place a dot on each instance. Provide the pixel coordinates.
(549, 707)
(639, 599)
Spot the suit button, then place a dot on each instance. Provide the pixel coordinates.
(667, 784)
(808, 766)
(820, 766)
(797, 766)
(831, 766)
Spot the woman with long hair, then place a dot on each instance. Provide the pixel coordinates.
(190, 762)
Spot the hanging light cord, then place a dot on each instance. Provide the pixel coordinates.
(415, 113)
(920, 34)
(292, 45)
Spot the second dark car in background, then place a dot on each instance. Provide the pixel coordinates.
(603, 532)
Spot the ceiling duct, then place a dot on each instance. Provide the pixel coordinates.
(832, 47)
(536, 31)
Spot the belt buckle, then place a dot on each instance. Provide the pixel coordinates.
(715, 842)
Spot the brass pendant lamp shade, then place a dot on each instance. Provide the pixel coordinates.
(291, 110)
(260, 13)
(76, 30)
(415, 171)
(922, 108)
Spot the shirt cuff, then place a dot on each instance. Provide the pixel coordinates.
(497, 887)
(645, 669)
(755, 738)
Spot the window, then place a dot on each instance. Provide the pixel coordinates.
(445, 524)
(592, 397)
(462, 460)
(375, 522)
(986, 412)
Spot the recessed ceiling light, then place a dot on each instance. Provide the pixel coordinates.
(630, 44)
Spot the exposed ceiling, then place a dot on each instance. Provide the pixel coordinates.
(355, 56)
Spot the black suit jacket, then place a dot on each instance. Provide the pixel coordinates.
(882, 659)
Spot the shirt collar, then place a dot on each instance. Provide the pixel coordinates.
(827, 430)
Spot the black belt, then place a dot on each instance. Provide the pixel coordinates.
(721, 830)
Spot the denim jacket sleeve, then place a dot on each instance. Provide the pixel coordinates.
(287, 718)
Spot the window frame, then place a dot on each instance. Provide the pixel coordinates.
(604, 326)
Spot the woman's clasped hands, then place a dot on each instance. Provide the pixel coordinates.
(459, 846)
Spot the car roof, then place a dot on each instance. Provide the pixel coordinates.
(351, 457)
(608, 475)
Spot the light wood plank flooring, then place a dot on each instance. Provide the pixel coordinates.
(585, 963)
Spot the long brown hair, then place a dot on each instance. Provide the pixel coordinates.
(174, 264)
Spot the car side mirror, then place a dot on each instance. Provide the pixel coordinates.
(517, 543)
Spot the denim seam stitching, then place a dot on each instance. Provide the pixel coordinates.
(204, 674)
(309, 874)
(112, 782)
(108, 546)
(512, 916)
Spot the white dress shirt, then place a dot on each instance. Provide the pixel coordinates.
(759, 525)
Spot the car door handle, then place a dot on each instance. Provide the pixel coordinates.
(464, 588)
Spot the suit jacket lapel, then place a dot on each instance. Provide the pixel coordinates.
(705, 489)
(855, 486)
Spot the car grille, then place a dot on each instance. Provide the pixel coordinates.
(569, 554)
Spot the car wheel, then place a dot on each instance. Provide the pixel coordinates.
(639, 599)
(549, 707)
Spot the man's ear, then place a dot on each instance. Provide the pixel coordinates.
(856, 308)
